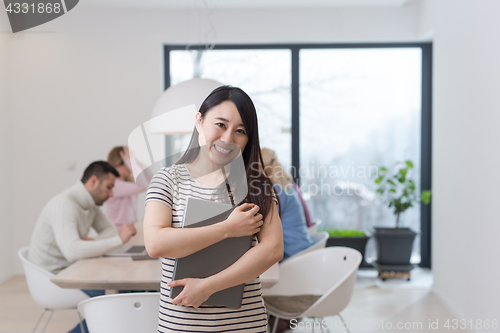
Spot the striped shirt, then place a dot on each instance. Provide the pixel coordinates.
(172, 186)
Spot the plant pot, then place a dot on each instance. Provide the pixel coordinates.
(357, 243)
(394, 246)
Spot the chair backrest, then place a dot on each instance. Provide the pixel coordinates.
(314, 227)
(319, 239)
(43, 291)
(124, 313)
(329, 272)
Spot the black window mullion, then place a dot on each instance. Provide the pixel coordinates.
(426, 155)
(166, 67)
(295, 116)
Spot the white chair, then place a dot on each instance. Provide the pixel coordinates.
(319, 239)
(317, 284)
(46, 293)
(314, 227)
(124, 313)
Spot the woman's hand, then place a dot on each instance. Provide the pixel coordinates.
(244, 221)
(194, 293)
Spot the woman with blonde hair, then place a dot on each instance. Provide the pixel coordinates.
(293, 219)
(121, 208)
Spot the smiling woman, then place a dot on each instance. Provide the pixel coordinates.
(226, 130)
(222, 134)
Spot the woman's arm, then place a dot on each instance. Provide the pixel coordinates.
(124, 188)
(253, 263)
(162, 240)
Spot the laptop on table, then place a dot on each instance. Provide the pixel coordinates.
(128, 251)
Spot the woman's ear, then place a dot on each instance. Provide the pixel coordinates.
(93, 182)
(198, 121)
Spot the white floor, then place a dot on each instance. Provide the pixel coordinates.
(420, 278)
(376, 306)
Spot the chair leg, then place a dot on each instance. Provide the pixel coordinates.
(321, 320)
(51, 312)
(275, 325)
(343, 323)
(327, 327)
(38, 321)
(81, 321)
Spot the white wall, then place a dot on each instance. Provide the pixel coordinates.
(85, 80)
(7, 255)
(466, 155)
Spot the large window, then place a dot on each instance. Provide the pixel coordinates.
(263, 74)
(333, 113)
(359, 108)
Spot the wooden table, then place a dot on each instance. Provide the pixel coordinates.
(126, 274)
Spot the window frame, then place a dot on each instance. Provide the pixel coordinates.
(426, 111)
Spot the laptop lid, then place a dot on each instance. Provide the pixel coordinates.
(128, 251)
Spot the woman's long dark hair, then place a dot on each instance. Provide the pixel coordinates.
(260, 188)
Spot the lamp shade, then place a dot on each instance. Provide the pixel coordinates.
(176, 108)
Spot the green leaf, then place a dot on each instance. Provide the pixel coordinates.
(426, 197)
(383, 169)
(392, 190)
(409, 164)
(380, 190)
(391, 182)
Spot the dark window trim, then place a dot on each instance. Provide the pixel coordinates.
(426, 130)
(426, 157)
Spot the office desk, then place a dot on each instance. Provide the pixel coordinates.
(126, 274)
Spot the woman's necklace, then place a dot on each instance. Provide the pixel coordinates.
(228, 187)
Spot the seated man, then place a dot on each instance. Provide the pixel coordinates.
(60, 235)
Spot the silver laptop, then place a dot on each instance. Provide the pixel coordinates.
(128, 251)
(215, 258)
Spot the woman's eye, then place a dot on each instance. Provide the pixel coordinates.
(221, 125)
(241, 131)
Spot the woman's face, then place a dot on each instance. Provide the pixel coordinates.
(222, 134)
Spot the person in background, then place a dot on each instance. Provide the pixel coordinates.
(122, 207)
(295, 235)
(60, 234)
(307, 214)
(293, 219)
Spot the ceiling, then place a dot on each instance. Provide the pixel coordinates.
(244, 3)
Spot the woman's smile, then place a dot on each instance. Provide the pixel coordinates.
(222, 151)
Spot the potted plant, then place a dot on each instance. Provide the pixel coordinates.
(355, 239)
(399, 191)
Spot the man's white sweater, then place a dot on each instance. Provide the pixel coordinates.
(67, 218)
